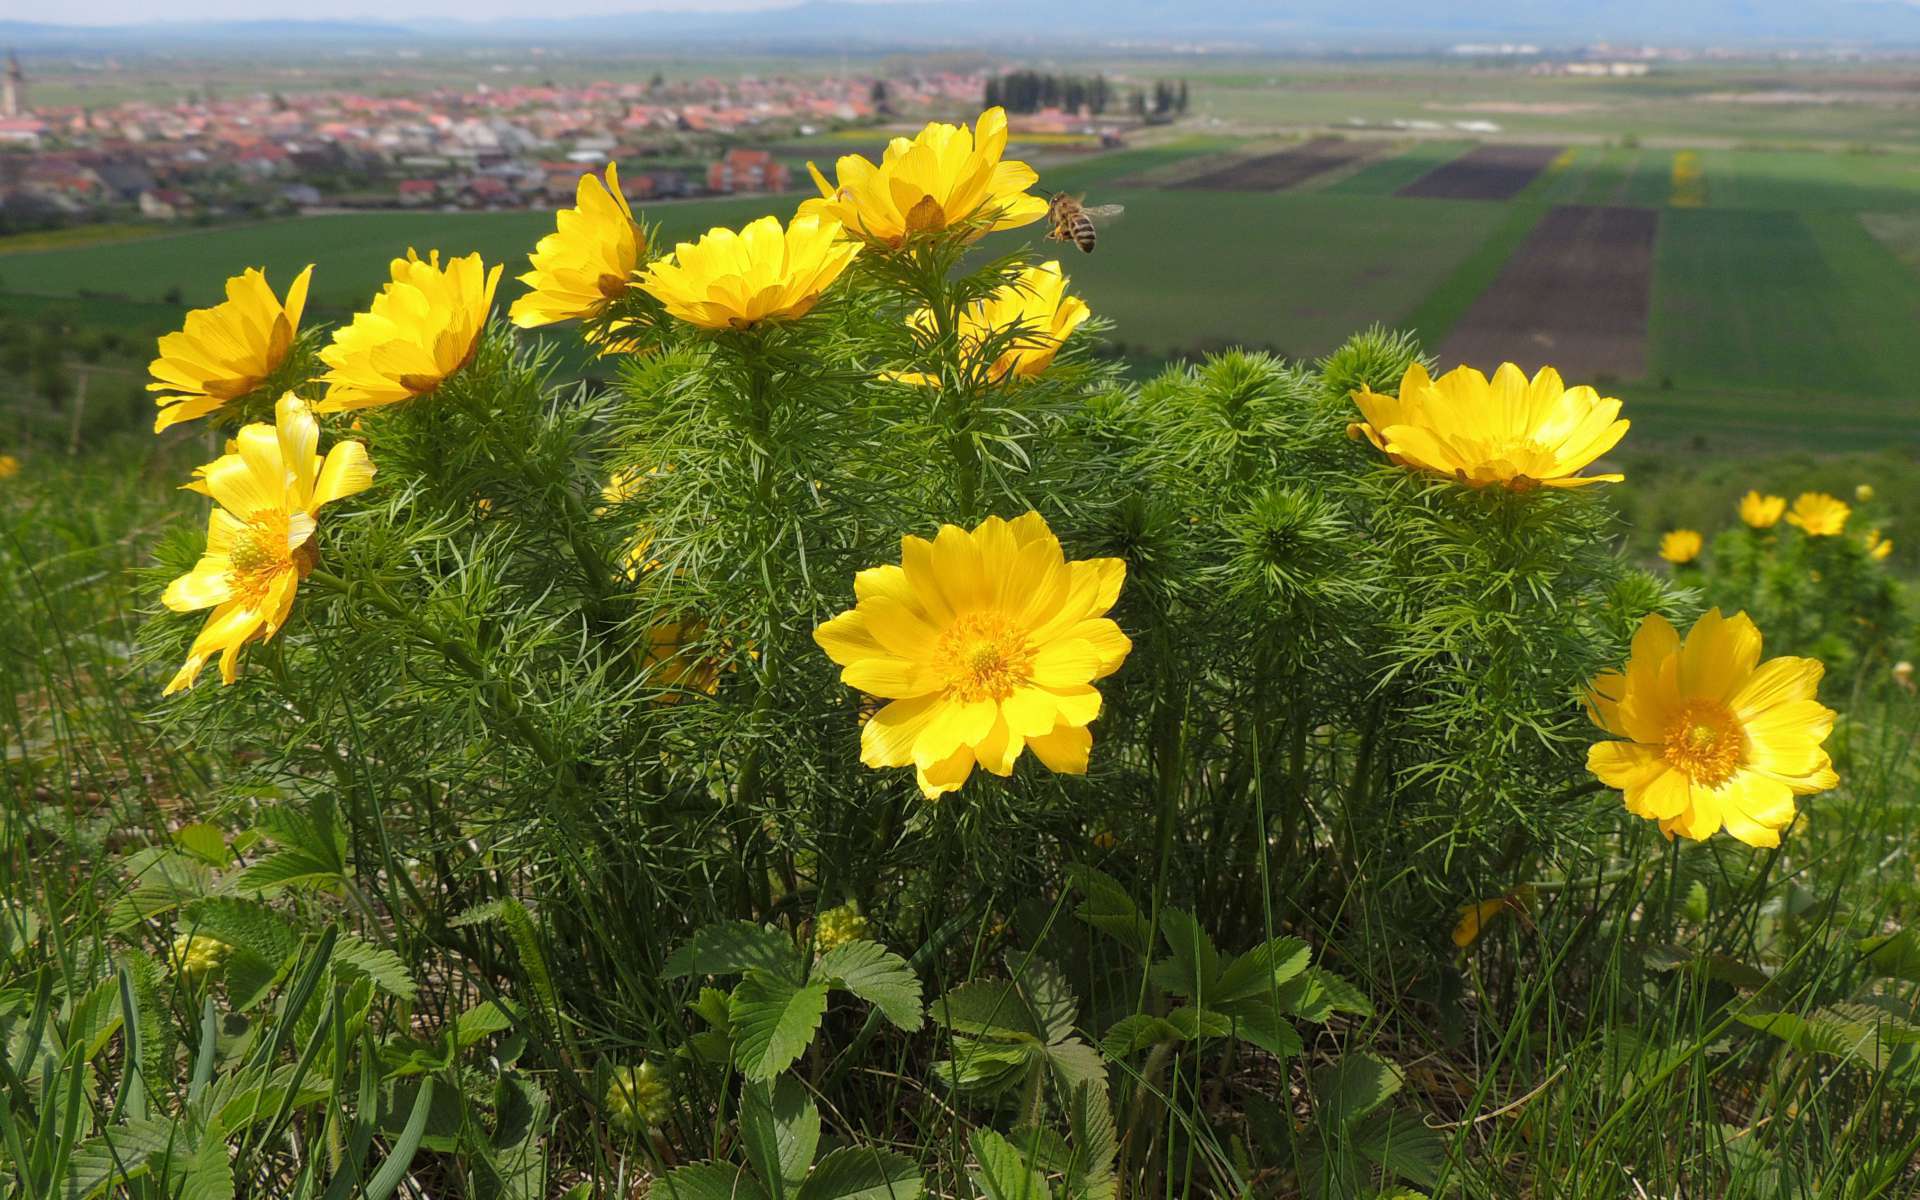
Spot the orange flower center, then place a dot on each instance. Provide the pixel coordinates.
(259, 553)
(984, 656)
(1705, 743)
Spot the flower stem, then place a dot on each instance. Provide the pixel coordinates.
(499, 696)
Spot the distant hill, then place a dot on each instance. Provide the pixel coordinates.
(1304, 25)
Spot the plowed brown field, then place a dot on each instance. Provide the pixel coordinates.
(1575, 295)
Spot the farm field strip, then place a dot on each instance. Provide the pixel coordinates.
(1495, 172)
(1823, 312)
(1574, 295)
(1803, 181)
(1386, 176)
(1288, 168)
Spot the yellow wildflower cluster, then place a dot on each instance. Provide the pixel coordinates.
(638, 1098)
(981, 643)
(196, 955)
(837, 926)
(1689, 180)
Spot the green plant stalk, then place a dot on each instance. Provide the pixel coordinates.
(499, 695)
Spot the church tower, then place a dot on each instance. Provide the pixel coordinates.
(13, 91)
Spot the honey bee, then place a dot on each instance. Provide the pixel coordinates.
(1072, 221)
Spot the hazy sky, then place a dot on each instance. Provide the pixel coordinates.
(109, 12)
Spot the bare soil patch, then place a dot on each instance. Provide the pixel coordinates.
(1289, 168)
(1574, 296)
(1484, 173)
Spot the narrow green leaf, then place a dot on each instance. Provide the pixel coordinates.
(400, 1158)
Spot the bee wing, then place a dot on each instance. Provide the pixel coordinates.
(1104, 212)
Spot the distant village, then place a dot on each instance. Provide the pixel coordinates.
(217, 157)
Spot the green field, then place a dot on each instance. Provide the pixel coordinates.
(1183, 269)
(1385, 176)
(1794, 288)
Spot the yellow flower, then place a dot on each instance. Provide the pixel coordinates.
(587, 261)
(638, 1098)
(1680, 546)
(837, 926)
(986, 643)
(423, 326)
(1863, 493)
(1511, 432)
(9, 466)
(1713, 737)
(622, 487)
(1878, 547)
(946, 176)
(228, 350)
(1474, 918)
(1036, 305)
(1762, 512)
(1819, 515)
(671, 664)
(268, 490)
(197, 954)
(729, 280)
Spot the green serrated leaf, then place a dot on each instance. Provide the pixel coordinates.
(1076, 1064)
(1316, 994)
(780, 1131)
(708, 1181)
(1354, 1086)
(1261, 970)
(1049, 997)
(378, 964)
(209, 1171)
(861, 1173)
(734, 948)
(1130, 1035)
(205, 842)
(1265, 1024)
(989, 1067)
(1109, 909)
(1004, 1173)
(1193, 966)
(244, 924)
(1402, 1145)
(985, 1008)
(1090, 1172)
(1893, 955)
(310, 850)
(774, 1020)
(876, 975)
(482, 1021)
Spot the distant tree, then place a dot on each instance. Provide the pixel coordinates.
(1137, 103)
(1180, 99)
(993, 98)
(882, 100)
